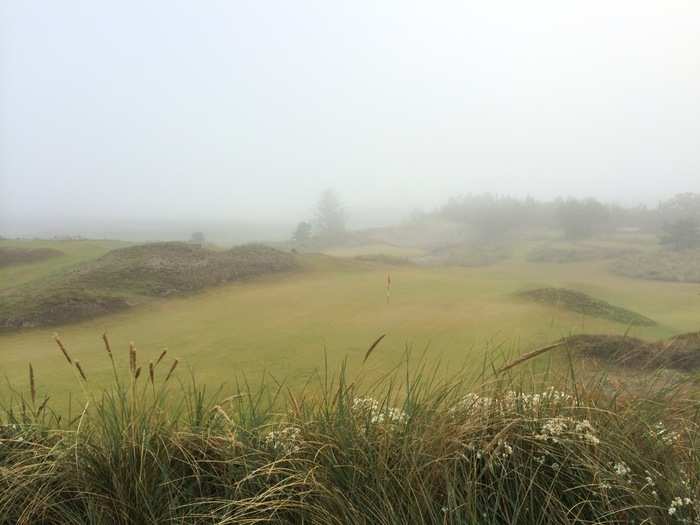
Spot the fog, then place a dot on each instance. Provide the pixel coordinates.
(153, 118)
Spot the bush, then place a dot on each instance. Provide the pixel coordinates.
(426, 451)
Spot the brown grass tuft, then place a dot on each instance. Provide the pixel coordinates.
(63, 348)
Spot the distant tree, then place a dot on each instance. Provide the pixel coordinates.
(580, 219)
(198, 238)
(330, 216)
(683, 234)
(303, 232)
(680, 207)
(492, 217)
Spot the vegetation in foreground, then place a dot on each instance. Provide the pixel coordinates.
(410, 448)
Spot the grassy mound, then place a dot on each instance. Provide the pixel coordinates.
(126, 276)
(162, 269)
(562, 255)
(427, 451)
(681, 352)
(10, 255)
(585, 304)
(661, 266)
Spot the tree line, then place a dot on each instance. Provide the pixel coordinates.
(676, 220)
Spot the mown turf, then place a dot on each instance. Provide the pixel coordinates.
(283, 324)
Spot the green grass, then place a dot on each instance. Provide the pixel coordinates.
(410, 448)
(374, 249)
(74, 252)
(283, 324)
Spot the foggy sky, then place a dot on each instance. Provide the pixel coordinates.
(245, 110)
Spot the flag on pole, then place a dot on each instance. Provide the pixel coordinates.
(388, 287)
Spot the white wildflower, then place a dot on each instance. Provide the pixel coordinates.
(553, 428)
(378, 415)
(668, 437)
(286, 439)
(621, 469)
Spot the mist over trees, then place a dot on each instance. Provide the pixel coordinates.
(328, 224)
(683, 234)
(681, 221)
(580, 219)
(302, 233)
(197, 238)
(493, 217)
(330, 217)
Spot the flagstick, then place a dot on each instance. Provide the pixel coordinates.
(388, 287)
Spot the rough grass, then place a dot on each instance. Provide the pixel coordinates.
(470, 255)
(391, 260)
(576, 253)
(666, 265)
(409, 448)
(13, 255)
(681, 352)
(585, 304)
(129, 275)
(168, 268)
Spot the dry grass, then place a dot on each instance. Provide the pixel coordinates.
(410, 448)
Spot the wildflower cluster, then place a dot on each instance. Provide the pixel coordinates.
(683, 509)
(377, 415)
(286, 439)
(621, 469)
(667, 436)
(510, 401)
(555, 429)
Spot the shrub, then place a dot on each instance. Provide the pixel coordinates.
(424, 451)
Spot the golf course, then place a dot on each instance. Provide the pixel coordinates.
(332, 307)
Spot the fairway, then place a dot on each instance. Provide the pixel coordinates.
(284, 324)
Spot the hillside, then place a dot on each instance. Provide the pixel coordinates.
(127, 276)
(10, 256)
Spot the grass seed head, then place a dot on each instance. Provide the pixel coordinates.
(132, 357)
(161, 356)
(172, 369)
(80, 370)
(32, 384)
(63, 348)
(107, 347)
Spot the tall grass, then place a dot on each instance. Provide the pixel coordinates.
(414, 447)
